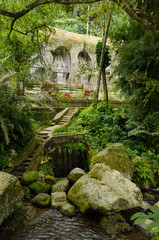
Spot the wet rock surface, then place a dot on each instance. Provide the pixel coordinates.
(11, 195)
(61, 185)
(75, 174)
(104, 191)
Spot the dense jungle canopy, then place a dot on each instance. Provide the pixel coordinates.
(145, 12)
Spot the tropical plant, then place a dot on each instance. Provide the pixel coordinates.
(153, 227)
(16, 123)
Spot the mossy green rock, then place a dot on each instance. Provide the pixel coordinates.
(68, 209)
(11, 195)
(115, 157)
(42, 200)
(50, 179)
(114, 224)
(29, 177)
(39, 187)
(149, 196)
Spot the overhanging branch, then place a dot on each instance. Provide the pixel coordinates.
(137, 14)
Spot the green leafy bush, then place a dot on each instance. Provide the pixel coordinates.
(102, 126)
(16, 124)
(153, 227)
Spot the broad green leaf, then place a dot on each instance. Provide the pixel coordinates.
(151, 226)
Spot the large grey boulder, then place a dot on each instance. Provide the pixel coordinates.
(61, 186)
(11, 195)
(105, 191)
(75, 174)
(116, 157)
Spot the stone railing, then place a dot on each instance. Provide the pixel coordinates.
(41, 154)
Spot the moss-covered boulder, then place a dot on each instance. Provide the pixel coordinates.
(61, 185)
(50, 179)
(75, 174)
(11, 195)
(29, 177)
(115, 157)
(68, 209)
(42, 200)
(105, 191)
(39, 187)
(58, 199)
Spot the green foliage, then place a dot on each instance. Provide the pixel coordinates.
(107, 58)
(70, 25)
(105, 126)
(78, 147)
(154, 215)
(86, 71)
(138, 73)
(16, 123)
(47, 169)
(143, 171)
(101, 126)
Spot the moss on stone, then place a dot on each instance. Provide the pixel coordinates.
(42, 200)
(78, 201)
(68, 209)
(114, 224)
(116, 157)
(29, 177)
(149, 196)
(50, 179)
(39, 187)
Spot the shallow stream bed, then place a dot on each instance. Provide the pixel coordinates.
(52, 225)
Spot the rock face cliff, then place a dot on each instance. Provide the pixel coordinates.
(11, 195)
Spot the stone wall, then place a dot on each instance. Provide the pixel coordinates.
(56, 150)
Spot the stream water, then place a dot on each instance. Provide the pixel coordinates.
(52, 225)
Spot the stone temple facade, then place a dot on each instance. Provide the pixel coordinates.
(62, 59)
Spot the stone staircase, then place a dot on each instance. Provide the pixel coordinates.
(21, 168)
(43, 136)
(66, 118)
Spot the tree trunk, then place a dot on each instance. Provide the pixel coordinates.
(88, 21)
(105, 89)
(101, 60)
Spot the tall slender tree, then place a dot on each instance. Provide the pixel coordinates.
(103, 60)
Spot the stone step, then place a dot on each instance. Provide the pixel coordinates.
(25, 164)
(42, 137)
(43, 133)
(62, 122)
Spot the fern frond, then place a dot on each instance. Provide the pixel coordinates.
(4, 130)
